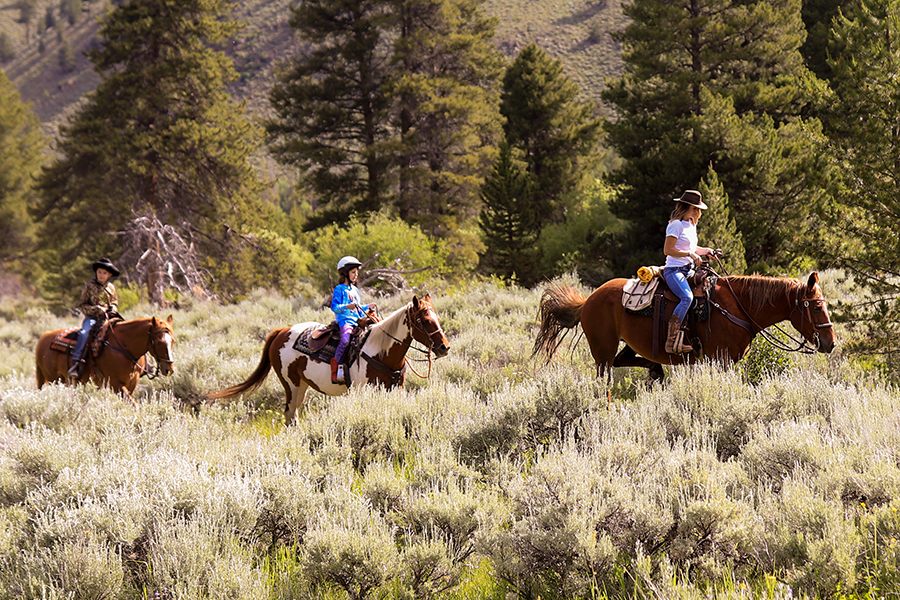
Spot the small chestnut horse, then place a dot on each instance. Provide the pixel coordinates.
(120, 362)
(381, 361)
(744, 306)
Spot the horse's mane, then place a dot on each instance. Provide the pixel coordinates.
(391, 323)
(759, 290)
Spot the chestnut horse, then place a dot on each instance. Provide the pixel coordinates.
(743, 307)
(381, 361)
(120, 362)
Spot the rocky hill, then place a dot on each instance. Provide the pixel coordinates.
(50, 70)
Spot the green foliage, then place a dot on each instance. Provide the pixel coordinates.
(342, 159)
(388, 242)
(859, 122)
(160, 136)
(397, 110)
(582, 242)
(21, 148)
(557, 134)
(765, 360)
(509, 220)
(719, 229)
(733, 99)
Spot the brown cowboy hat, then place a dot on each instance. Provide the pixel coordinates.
(693, 198)
(105, 263)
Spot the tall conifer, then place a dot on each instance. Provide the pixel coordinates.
(332, 113)
(863, 124)
(557, 132)
(691, 67)
(21, 147)
(509, 220)
(159, 137)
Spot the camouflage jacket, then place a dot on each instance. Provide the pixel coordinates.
(96, 299)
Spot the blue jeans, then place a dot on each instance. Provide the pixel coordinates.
(346, 330)
(676, 278)
(86, 327)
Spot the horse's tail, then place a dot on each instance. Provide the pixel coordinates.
(560, 310)
(256, 377)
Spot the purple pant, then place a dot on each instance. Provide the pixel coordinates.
(346, 330)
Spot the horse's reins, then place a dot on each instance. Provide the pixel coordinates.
(145, 372)
(802, 342)
(415, 325)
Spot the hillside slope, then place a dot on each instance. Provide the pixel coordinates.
(575, 31)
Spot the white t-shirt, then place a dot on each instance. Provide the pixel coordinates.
(685, 234)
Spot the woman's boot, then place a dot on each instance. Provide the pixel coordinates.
(675, 341)
(335, 376)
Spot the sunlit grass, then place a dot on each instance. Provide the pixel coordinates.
(498, 475)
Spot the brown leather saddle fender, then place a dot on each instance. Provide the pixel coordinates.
(664, 302)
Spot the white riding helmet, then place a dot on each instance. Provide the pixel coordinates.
(348, 262)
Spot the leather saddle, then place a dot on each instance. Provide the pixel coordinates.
(318, 337)
(66, 340)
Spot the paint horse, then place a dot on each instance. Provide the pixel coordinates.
(380, 361)
(120, 358)
(743, 307)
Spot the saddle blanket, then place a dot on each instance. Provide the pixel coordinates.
(65, 341)
(324, 354)
(638, 294)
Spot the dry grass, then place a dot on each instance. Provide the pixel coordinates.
(498, 476)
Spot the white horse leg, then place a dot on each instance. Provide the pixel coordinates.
(296, 397)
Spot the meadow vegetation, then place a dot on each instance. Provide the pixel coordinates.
(499, 477)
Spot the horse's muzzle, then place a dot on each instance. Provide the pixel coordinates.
(441, 350)
(166, 368)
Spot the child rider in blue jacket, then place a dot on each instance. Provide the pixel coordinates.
(348, 308)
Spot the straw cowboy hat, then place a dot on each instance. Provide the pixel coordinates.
(693, 198)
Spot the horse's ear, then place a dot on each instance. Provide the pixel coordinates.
(153, 321)
(813, 280)
(169, 319)
(415, 302)
(427, 298)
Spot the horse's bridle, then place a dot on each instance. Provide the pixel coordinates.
(805, 307)
(417, 323)
(151, 344)
(804, 311)
(151, 348)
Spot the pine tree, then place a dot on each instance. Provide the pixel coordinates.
(445, 85)
(332, 114)
(558, 134)
(509, 220)
(862, 125)
(691, 67)
(718, 228)
(21, 148)
(160, 138)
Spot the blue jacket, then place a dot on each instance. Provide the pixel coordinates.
(343, 295)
